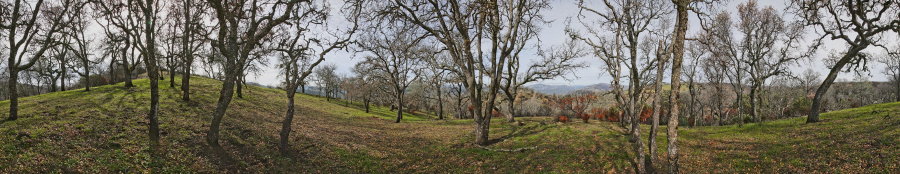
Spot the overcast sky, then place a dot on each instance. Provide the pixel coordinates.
(554, 35)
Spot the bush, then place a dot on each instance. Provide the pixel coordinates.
(800, 106)
(562, 119)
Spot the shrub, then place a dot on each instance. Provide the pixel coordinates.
(562, 118)
(613, 114)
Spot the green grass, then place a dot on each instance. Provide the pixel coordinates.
(104, 131)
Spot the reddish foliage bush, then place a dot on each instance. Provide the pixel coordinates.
(496, 114)
(562, 118)
(598, 113)
(646, 112)
(584, 117)
(613, 114)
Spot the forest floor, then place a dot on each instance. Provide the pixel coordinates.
(104, 131)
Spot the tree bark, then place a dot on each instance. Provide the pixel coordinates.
(286, 124)
(897, 86)
(657, 107)
(171, 78)
(693, 104)
(399, 108)
(87, 74)
(53, 84)
(512, 110)
(240, 85)
(366, 101)
(678, 49)
(186, 83)
(225, 96)
(440, 105)
(62, 81)
(754, 103)
(13, 94)
(126, 67)
(638, 158)
(112, 70)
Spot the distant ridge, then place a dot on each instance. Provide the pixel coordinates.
(568, 89)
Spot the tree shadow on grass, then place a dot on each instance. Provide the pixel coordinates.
(519, 132)
(220, 157)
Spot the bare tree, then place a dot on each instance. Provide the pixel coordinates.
(465, 28)
(32, 29)
(892, 70)
(48, 70)
(79, 43)
(628, 20)
(768, 44)
(681, 25)
(365, 85)
(171, 52)
(328, 80)
(397, 55)
(859, 24)
(663, 53)
(145, 41)
(241, 27)
(117, 14)
(297, 46)
(194, 36)
(808, 80)
(436, 78)
(692, 74)
(715, 39)
(556, 62)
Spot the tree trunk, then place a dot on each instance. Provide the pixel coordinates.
(820, 93)
(692, 108)
(171, 78)
(187, 53)
(240, 86)
(366, 101)
(440, 105)
(678, 49)
(286, 124)
(126, 69)
(657, 107)
(112, 72)
(53, 85)
(897, 86)
(150, 60)
(62, 76)
(225, 96)
(13, 94)
(638, 149)
(87, 75)
(399, 108)
(154, 110)
(186, 83)
(754, 103)
(512, 110)
(481, 131)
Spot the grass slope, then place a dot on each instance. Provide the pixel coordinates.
(104, 131)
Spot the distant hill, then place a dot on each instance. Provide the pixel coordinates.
(567, 89)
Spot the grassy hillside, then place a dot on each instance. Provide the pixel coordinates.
(105, 131)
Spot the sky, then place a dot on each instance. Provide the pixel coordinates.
(554, 34)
